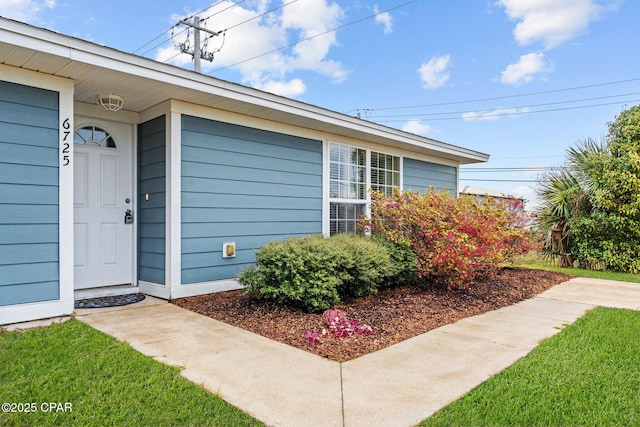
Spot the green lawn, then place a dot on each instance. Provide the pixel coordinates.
(537, 263)
(103, 381)
(587, 375)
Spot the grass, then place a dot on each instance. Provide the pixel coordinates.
(538, 263)
(106, 382)
(587, 375)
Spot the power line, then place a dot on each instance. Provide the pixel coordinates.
(503, 180)
(262, 14)
(497, 97)
(518, 113)
(496, 170)
(509, 108)
(314, 36)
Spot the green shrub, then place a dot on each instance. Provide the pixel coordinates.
(313, 273)
(403, 259)
(297, 272)
(365, 262)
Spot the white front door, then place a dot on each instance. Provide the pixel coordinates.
(103, 192)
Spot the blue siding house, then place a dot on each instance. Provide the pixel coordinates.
(119, 174)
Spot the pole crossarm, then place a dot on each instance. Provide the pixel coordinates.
(197, 53)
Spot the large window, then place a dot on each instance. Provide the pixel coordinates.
(351, 174)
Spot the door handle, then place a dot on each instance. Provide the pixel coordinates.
(128, 217)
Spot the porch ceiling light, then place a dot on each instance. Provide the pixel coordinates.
(110, 102)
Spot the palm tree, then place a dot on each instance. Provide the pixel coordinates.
(559, 192)
(565, 195)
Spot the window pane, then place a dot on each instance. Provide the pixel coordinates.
(344, 217)
(334, 152)
(347, 172)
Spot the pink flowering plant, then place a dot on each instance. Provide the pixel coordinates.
(338, 326)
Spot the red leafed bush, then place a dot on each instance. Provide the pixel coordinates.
(455, 239)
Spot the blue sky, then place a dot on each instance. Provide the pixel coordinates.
(521, 80)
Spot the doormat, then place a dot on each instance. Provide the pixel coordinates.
(113, 301)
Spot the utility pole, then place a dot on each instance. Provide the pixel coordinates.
(197, 52)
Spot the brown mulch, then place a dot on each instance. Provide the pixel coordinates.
(394, 314)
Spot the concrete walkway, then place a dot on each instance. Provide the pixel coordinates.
(397, 386)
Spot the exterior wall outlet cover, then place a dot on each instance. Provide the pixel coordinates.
(229, 250)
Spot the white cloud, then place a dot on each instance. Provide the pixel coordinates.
(291, 88)
(245, 45)
(25, 10)
(415, 126)
(493, 114)
(435, 73)
(383, 19)
(551, 22)
(526, 69)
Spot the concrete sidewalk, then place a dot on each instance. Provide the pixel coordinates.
(398, 386)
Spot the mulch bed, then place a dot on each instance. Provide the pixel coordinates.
(394, 314)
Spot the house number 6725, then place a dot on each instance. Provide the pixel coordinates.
(66, 125)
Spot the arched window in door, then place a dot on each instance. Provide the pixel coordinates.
(93, 136)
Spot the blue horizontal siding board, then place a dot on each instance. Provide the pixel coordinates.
(419, 165)
(221, 272)
(28, 194)
(154, 231)
(15, 274)
(152, 260)
(156, 155)
(152, 245)
(28, 253)
(28, 95)
(36, 136)
(29, 292)
(278, 148)
(191, 184)
(203, 259)
(212, 244)
(156, 200)
(28, 214)
(27, 174)
(206, 200)
(28, 155)
(249, 229)
(153, 215)
(28, 233)
(238, 173)
(263, 215)
(250, 161)
(427, 174)
(153, 170)
(243, 133)
(155, 128)
(152, 275)
(153, 185)
(28, 115)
